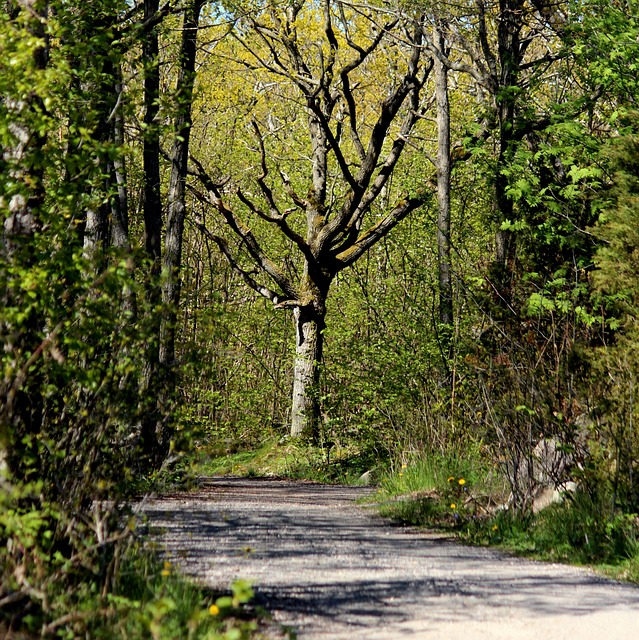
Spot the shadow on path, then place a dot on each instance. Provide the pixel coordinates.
(328, 567)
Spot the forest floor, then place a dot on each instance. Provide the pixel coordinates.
(327, 567)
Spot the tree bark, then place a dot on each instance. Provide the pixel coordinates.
(151, 385)
(510, 55)
(177, 187)
(443, 184)
(309, 342)
(120, 203)
(172, 262)
(151, 152)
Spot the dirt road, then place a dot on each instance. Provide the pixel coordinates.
(331, 569)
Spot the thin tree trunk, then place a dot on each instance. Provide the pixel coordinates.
(172, 262)
(443, 184)
(177, 187)
(120, 205)
(151, 386)
(151, 152)
(509, 48)
(101, 92)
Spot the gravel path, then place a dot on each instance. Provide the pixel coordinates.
(329, 568)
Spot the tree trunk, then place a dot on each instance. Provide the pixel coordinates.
(309, 342)
(151, 153)
(172, 263)
(151, 385)
(510, 53)
(177, 187)
(120, 202)
(443, 185)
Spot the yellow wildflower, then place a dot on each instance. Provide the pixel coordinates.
(461, 481)
(400, 474)
(453, 506)
(214, 610)
(451, 479)
(404, 466)
(495, 527)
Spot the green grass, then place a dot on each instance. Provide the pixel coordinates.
(286, 459)
(438, 491)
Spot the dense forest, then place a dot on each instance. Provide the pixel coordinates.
(389, 230)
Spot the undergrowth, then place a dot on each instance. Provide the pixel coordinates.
(148, 599)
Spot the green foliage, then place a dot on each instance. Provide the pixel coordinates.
(530, 352)
(151, 600)
(74, 325)
(441, 491)
(581, 530)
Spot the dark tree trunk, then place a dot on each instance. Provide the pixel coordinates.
(172, 261)
(151, 153)
(152, 386)
(510, 55)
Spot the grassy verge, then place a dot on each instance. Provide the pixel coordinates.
(461, 497)
(294, 460)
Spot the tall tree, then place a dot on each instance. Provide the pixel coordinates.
(443, 177)
(173, 240)
(347, 172)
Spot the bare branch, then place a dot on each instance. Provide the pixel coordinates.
(375, 233)
(483, 39)
(411, 84)
(346, 86)
(245, 275)
(214, 198)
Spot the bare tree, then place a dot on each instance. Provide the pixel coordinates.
(336, 234)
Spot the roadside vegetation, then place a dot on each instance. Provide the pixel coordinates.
(471, 502)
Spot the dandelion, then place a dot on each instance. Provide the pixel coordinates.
(166, 571)
(404, 466)
(495, 527)
(400, 474)
(462, 482)
(451, 479)
(214, 610)
(453, 506)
